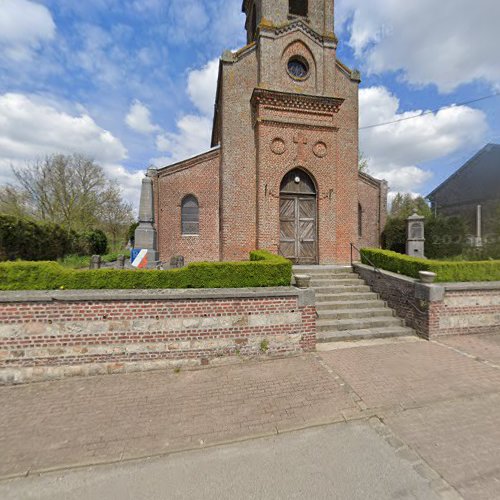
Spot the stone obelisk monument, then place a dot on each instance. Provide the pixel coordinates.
(145, 234)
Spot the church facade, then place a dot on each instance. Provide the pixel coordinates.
(282, 173)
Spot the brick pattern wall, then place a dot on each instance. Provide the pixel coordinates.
(199, 177)
(466, 312)
(373, 210)
(399, 293)
(43, 339)
(454, 310)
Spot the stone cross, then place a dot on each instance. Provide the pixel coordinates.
(301, 140)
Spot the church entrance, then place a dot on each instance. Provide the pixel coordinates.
(298, 218)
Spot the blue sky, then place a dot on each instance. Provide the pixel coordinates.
(131, 82)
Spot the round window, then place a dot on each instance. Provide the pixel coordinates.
(298, 68)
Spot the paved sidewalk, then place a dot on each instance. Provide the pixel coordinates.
(102, 419)
(440, 403)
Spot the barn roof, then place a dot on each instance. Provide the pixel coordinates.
(487, 159)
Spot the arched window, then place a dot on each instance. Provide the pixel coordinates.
(190, 215)
(299, 8)
(360, 220)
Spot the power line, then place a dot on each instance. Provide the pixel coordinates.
(430, 112)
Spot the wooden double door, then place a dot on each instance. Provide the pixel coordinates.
(298, 228)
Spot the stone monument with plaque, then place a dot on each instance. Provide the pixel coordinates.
(415, 240)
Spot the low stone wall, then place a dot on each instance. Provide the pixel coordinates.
(45, 335)
(438, 309)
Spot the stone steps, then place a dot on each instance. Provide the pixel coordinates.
(348, 309)
(373, 333)
(379, 312)
(358, 305)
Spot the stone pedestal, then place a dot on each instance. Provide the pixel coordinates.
(145, 234)
(415, 240)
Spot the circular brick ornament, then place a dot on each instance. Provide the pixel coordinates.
(320, 149)
(278, 146)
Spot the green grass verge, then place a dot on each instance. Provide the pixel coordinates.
(82, 262)
(262, 270)
(446, 271)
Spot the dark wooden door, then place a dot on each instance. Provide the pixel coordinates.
(298, 240)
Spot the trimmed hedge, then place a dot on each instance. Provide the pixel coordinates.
(262, 270)
(460, 271)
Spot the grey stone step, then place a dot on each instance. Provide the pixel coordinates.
(341, 289)
(341, 325)
(366, 334)
(345, 296)
(321, 270)
(336, 282)
(379, 312)
(351, 304)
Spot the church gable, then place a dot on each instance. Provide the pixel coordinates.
(286, 116)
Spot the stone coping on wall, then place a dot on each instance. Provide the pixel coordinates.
(306, 297)
(435, 292)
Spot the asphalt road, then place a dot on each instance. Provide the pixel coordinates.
(343, 461)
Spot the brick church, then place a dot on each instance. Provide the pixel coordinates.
(282, 173)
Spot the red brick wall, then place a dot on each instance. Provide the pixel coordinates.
(200, 177)
(438, 310)
(374, 210)
(40, 339)
(246, 213)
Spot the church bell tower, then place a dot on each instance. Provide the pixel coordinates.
(286, 120)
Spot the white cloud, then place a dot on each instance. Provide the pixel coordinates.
(394, 151)
(193, 130)
(24, 26)
(202, 86)
(32, 128)
(139, 119)
(192, 138)
(448, 43)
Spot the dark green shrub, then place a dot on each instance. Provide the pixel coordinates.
(97, 242)
(445, 237)
(28, 240)
(262, 270)
(458, 271)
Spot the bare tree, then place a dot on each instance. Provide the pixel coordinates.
(14, 201)
(74, 192)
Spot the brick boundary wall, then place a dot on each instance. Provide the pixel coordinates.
(47, 335)
(438, 309)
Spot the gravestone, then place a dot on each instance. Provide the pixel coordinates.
(415, 239)
(177, 262)
(121, 262)
(95, 262)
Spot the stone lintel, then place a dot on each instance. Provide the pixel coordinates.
(305, 297)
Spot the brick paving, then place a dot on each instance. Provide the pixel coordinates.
(94, 420)
(440, 408)
(411, 374)
(485, 347)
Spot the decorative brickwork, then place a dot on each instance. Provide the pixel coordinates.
(438, 310)
(54, 335)
(269, 122)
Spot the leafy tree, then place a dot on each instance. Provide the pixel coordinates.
(404, 204)
(363, 163)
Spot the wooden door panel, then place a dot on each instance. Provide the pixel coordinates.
(298, 216)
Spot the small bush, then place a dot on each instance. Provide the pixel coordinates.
(447, 271)
(97, 242)
(262, 270)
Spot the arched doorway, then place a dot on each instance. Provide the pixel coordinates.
(298, 218)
